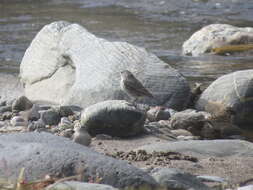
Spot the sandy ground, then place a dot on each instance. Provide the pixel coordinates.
(237, 170)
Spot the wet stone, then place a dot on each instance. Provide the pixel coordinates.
(50, 117)
(18, 121)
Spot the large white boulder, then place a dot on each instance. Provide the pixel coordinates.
(66, 64)
(216, 36)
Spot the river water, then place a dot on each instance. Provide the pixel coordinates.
(161, 26)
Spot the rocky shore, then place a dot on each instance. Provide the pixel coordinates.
(69, 116)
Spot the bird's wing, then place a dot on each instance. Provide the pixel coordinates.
(135, 86)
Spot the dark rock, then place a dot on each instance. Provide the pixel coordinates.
(158, 113)
(50, 117)
(65, 111)
(172, 178)
(5, 109)
(44, 154)
(2, 103)
(113, 117)
(208, 131)
(231, 97)
(103, 137)
(22, 104)
(45, 107)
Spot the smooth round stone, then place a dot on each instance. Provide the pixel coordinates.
(50, 117)
(18, 121)
(113, 117)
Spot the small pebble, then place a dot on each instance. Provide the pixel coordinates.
(18, 121)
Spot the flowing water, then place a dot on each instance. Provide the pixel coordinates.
(161, 26)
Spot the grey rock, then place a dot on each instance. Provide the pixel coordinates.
(34, 114)
(46, 154)
(204, 148)
(178, 132)
(103, 137)
(5, 109)
(45, 107)
(215, 36)
(65, 121)
(50, 117)
(74, 67)
(21, 104)
(158, 113)
(187, 138)
(206, 178)
(2, 103)
(67, 133)
(36, 126)
(81, 136)
(230, 97)
(18, 121)
(75, 185)
(113, 117)
(190, 120)
(65, 111)
(175, 179)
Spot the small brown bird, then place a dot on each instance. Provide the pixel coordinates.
(133, 86)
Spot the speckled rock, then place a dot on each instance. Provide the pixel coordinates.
(230, 95)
